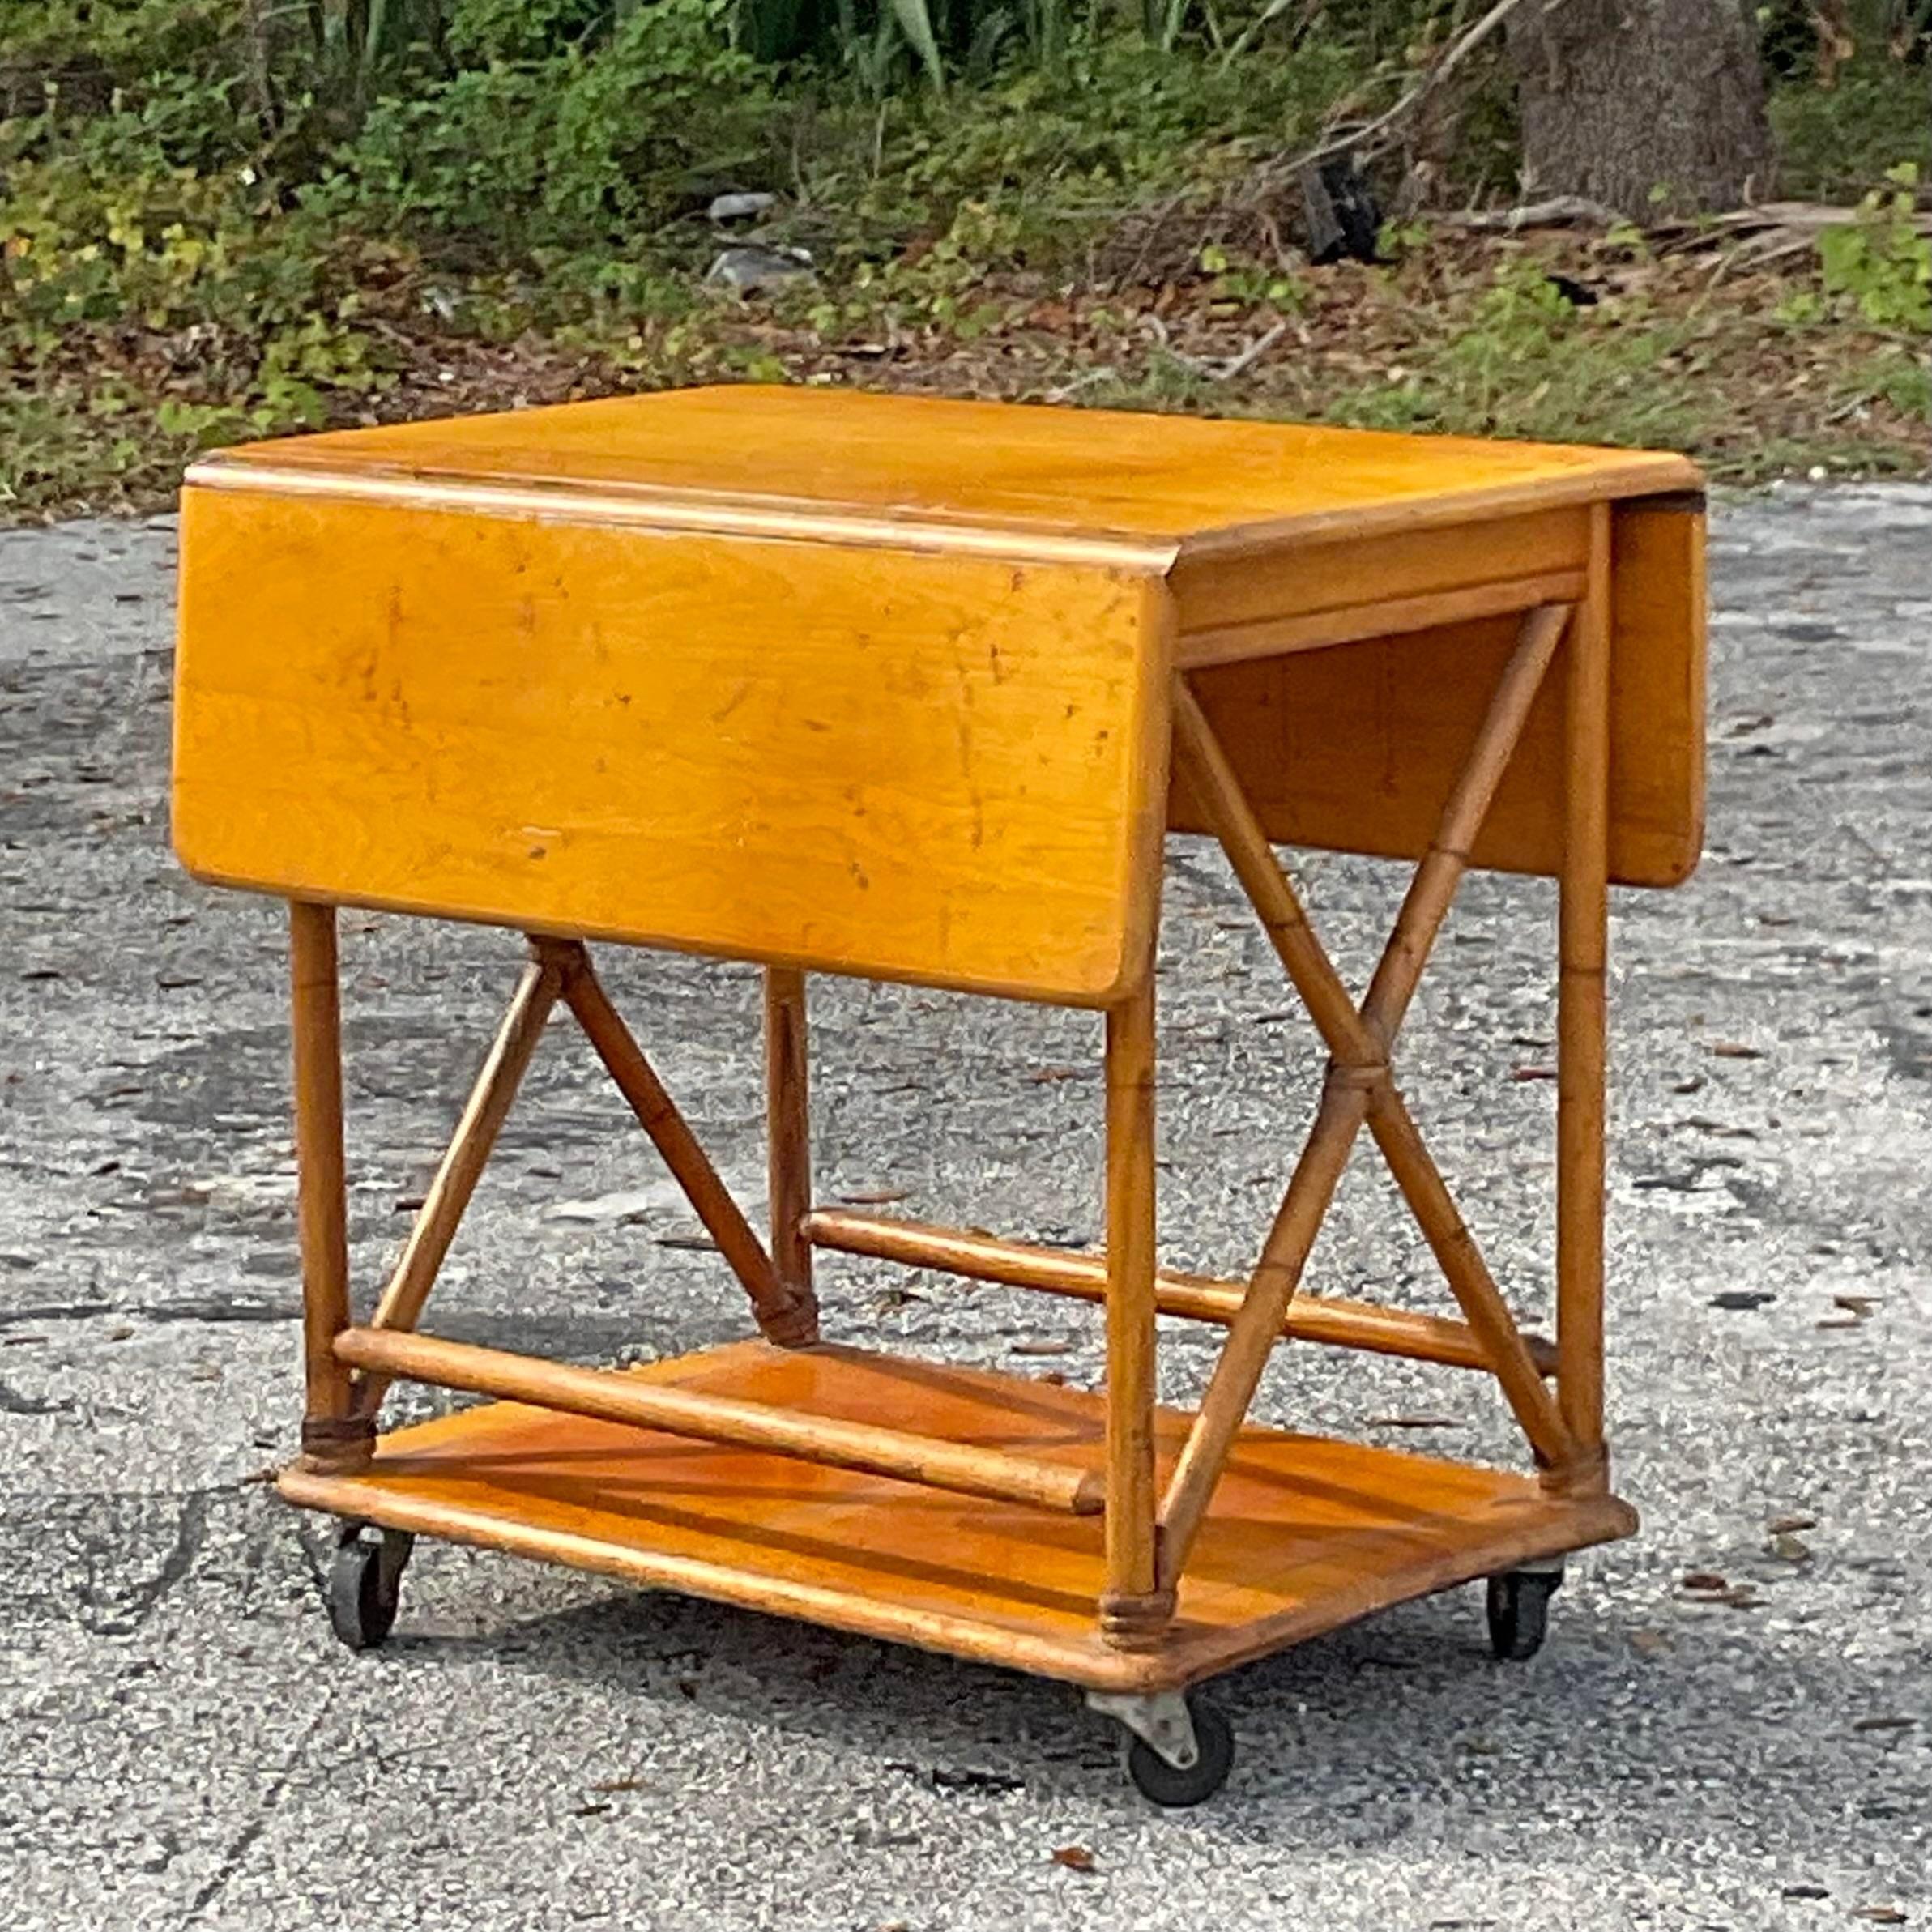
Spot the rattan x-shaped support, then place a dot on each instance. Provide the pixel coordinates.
(787, 1311)
(1359, 1089)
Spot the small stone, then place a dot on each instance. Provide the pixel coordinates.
(631, 1204)
(740, 207)
(1742, 1298)
(1705, 1580)
(753, 271)
(1790, 1525)
(1076, 1857)
(1788, 1549)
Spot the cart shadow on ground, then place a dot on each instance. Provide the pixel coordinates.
(1401, 1722)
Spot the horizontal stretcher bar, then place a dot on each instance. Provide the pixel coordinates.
(609, 1395)
(1195, 1298)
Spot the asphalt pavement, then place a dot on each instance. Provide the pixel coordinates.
(182, 1743)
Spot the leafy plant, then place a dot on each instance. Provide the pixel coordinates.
(1878, 261)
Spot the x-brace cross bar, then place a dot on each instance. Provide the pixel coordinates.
(1359, 1089)
(786, 1311)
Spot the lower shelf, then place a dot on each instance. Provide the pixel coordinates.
(1305, 1534)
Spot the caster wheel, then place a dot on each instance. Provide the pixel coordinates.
(1519, 1612)
(1167, 1784)
(364, 1583)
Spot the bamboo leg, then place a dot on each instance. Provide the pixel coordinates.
(1583, 951)
(1137, 1603)
(464, 1159)
(334, 1437)
(788, 1143)
(782, 1315)
(1360, 1038)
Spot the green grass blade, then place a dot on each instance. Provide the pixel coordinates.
(915, 23)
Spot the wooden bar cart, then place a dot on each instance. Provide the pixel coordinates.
(914, 690)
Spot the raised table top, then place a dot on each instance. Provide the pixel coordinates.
(1136, 489)
(880, 685)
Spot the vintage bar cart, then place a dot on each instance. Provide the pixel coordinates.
(914, 689)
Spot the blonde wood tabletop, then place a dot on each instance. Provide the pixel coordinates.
(1133, 488)
(878, 683)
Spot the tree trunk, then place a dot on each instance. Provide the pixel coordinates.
(1652, 107)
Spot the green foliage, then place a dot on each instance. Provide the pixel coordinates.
(571, 151)
(1834, 142)
(1246, 284)
(226, 218)
(1880, 261)
(1526, 363)
(116, 43)
(1898, 377)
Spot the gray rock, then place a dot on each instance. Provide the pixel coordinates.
(740, 207)
(751, 270)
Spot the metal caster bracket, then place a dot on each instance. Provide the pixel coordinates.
(1163, 1723)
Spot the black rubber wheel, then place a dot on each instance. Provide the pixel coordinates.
(365, 1582)
(1519, 1612)
(1167, 1785)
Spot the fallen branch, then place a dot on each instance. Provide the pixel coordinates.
(1239, 366)
(1805, 217)
(1769, 223)
(1559, 211)
(1766, 230)
(1212, 369)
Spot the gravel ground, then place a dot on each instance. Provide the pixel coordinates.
(186, 1746)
